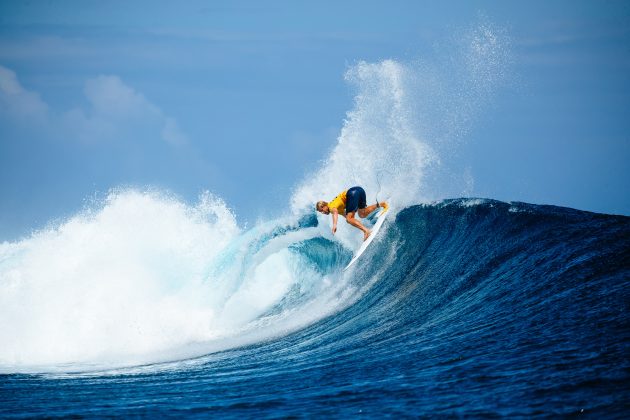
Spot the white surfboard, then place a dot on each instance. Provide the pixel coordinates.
(377, 226)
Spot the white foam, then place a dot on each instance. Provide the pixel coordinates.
(145, 278)
(109, 283)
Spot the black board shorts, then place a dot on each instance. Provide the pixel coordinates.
(355, 199)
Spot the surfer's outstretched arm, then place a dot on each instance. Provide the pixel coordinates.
(335, 216)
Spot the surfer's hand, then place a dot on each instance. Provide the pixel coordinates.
(366, 234)
(334, 229)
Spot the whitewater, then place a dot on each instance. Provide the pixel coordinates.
(143, 304)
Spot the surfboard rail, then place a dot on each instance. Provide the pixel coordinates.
(377, 226)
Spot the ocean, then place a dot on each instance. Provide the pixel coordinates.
(466, 307)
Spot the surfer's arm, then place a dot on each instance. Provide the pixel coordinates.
(335, 216)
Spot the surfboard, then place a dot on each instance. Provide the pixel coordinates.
(377, 226)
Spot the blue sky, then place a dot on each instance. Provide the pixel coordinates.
(245, 98)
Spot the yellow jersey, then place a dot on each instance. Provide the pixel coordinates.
(339, 203)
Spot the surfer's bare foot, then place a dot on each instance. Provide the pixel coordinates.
(366, 234)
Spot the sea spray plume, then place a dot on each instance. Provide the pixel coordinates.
(409, 119)
(454, 86)
(488, 50)
(483, 55)
(378, 147)
(451, 90)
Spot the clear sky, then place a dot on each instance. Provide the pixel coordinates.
(244, 98)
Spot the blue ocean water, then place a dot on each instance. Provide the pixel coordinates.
(459, 308)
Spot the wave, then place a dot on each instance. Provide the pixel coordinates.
(87, 296)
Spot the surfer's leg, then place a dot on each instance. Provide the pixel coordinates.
(367, 210)
(364, 209)
(357, 224)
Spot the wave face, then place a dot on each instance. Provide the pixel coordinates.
(459, 307)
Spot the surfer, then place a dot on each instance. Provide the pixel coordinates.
(347, 203)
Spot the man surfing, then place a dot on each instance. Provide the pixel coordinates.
(347, 203)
